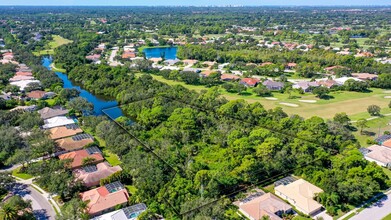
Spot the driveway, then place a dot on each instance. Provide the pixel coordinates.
(41, 206)
(376, 211)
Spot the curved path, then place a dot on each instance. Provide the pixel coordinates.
(42, 208)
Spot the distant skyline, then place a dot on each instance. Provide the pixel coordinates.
(196, 3)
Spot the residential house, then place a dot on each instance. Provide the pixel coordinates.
(5, 96)
(331, 69)
(209, 63)
(77, 157)
(195, 70)
(127, 213)
(92, 174)
(189, 62)
(206, 73)
(8, 56)
(305, 85)
(364, 54)
(300, 194)
(264, 205)
(20, 78)
(52, 112)
(342, 80)
(93, 57)
(23, 83)
(365, 76)
(273, 85)
(266, 63)
(105, 198)
(249, 82)
(290, 66)
(128, 55)
(171, 62)
(155, 60)
(328, 83)
(378, 154)
(229, 77)
(23, 73)
(57, 122)
(36, 94)
(75, 142)
(65, 131)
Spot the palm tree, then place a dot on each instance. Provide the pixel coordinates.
(8, 212)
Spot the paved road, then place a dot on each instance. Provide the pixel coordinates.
(41, 206)
(376, 211)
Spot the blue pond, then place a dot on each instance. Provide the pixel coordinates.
(157, 52)
(100, 103)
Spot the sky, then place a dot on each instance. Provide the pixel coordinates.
(195, 2)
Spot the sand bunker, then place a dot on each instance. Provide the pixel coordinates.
(387, 97)
(271, 98)
(308, 101)
(289, 104)
(388, 91)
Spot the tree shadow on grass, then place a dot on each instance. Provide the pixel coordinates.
(368, 133)
(328, 97)
(245, 93)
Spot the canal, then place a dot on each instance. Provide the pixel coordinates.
(109, 106)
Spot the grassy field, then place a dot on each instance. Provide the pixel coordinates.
(353, 103)
(113, 159)
(24, 176)
(56, 69)
(376, 128)
(388, 217)
(56, 42)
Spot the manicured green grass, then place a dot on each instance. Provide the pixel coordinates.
(113, 159)
(56, 42)
(298, 217)
(388, 217)
(57, 69)
(24, 176)
(375, 128)
(353, 103)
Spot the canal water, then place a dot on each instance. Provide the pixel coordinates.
(110, 107)
(157, 52)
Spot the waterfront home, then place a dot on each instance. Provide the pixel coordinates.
(23, 83)
(52, 112)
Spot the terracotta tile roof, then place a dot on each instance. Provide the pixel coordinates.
(267, 204)
(387, 143)
(79, 156)
(206, 73)
(291, 64)
(266, 63)
(20, 78)
(71, 143)
(327, 83)
(229, 77)
(64, 131)
(192, 62)
(103, 170)
(100, 199)
(250, 81)
(37, 94)
(128, 54)
(24, 73)
(365, 76)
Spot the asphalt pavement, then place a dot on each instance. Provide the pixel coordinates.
(376, 211)
(42, 209)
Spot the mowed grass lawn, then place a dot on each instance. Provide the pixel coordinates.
(24, 176)
(56, 42)
(355, 104)
(375, 128)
